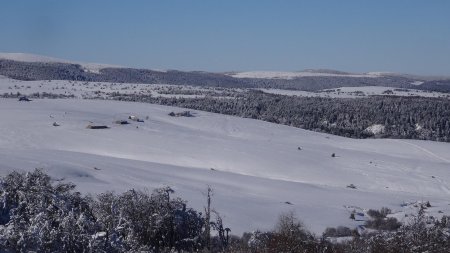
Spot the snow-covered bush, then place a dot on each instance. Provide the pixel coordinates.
(37, 215)
(380, 221)
(338, 232)
(137, 220)
(40, 216)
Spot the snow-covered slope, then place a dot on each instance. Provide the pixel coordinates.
(361, 91)
(292, 75)
(254, 167)
(81, 89)
(29, 57)
(89, 67)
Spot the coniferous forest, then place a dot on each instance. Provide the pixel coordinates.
(400, 117)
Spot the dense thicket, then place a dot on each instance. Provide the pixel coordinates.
(401, 117)
(40, 215)
(37, 215)
(67, 71)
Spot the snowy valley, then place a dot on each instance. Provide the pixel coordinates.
(256, 169)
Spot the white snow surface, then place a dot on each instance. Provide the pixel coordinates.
(254, 167)
(81, 89)
(292, 75)
(376, 129)
(417, 82)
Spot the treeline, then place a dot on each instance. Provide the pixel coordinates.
(36, 95)
(39, 215)
(437, 85)
(400, 117)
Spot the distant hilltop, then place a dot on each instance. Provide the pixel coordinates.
(36, 67)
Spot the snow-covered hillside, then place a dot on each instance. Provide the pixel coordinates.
(89, 67)
(292, 75)
(29, 57)
(358, 92)
(82, 89)
(257, 169)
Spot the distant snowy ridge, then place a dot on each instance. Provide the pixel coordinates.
(292, 75)
(359, 92)
(29, 57)
(17, 66)
(23, 57)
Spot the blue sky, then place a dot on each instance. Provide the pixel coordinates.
(408, 36)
